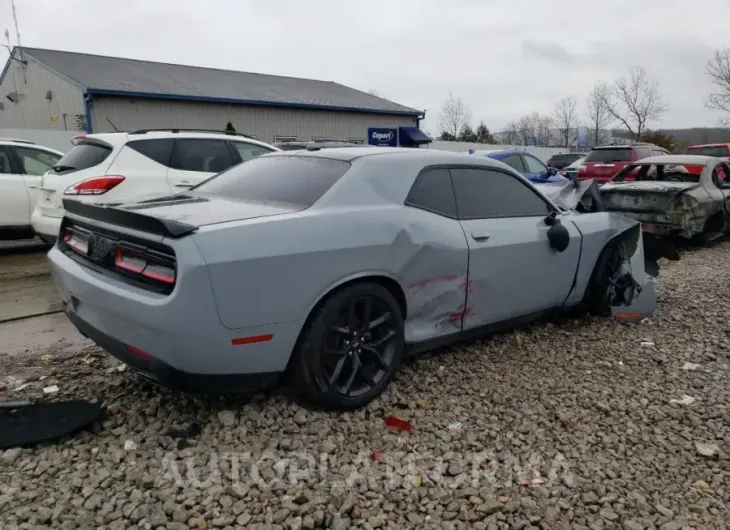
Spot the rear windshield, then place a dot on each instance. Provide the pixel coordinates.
(719, 150)
(609, 155)
(82, 156)
(298, 180)
(566, 157)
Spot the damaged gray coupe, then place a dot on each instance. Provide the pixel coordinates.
(678, 196)
(330, 265)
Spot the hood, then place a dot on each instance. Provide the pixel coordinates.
(570, 194)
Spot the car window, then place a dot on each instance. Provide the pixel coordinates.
(5, 166)
(534, 165)
(249, 151)
(83, 156)
(207, 156)
(515, 162)
(158, 149)
(35, 161)
(712, 150)
(643, 152)
(485, 193)
(298, 180)
(619, 154)
(433, 191)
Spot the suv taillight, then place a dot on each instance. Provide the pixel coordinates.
(94, 185)
(146, 264)
(76, 240)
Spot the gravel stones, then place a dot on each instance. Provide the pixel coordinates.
(556, 434)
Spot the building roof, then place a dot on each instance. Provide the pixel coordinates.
(101, 75)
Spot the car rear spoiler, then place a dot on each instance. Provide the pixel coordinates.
(128, 218)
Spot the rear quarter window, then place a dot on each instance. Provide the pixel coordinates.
(159, 149)
(719, 151)
(83, 156)
(609, 155)
(298, 180)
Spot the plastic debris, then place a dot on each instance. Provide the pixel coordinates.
(685, 400)
(21, 387)
(50, 389)
(534, 482)
(456, 426)
(690, 366)
(416, 481)
(46, 357)
(398, 424)
(121, 367)
(647, 343)
(421, 403)
(377, 455)
(130, 445)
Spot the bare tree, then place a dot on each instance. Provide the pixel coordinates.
(718, 68)
(635, 101)
(598, 116)
(526, 130)
(455, 115)
(512, 133)
(566, 118)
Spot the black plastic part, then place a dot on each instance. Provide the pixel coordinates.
(129, 219)
(558, 236)
(177, 130)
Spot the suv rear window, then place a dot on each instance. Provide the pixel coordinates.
(609, 155)
(83, 156)
(566, 157)
(298, 180)
(716, 150)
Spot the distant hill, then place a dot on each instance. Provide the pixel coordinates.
(693, 136)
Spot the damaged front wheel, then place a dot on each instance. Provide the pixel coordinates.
(601, 291)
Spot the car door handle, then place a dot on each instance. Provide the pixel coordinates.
(184, 185)
(480, 236)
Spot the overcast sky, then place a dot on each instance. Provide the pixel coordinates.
(504, 58)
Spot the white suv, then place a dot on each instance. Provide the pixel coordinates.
(22, 163)
(111, 167)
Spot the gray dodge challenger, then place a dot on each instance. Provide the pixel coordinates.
(331, 265)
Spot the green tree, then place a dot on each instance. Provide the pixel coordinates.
(483, 136)
(659, 138)
(447, 137)
(467, 134)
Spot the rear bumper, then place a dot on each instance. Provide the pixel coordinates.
(162, 373)
(181, 332)
(44, 226)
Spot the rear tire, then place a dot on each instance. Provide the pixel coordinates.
(599, 290)
(350, 348)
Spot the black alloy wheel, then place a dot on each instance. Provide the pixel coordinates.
(351, 348)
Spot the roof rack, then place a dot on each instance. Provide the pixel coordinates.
(17, 140)
(178, 129)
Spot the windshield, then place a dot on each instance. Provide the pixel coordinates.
(82, 156)
(299, 180)
(618, 154)
(660, 173)
(721, 151)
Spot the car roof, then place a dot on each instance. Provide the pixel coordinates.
(117, 138)
(27, 143)
(427, 156)
(695, 160)
(708, 145)
(498, 153)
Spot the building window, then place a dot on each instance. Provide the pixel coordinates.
(285, 139)
(323, 139)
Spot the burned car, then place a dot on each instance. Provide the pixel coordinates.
(685, 196)
(331, 265)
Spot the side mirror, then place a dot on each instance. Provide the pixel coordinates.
(558, 236)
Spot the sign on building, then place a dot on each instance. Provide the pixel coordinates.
(383, 137)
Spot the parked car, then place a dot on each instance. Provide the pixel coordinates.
(21, 165)
(685, 196)
(571, 171)
(563, 160)
(605, 161)
(298, 146)
(717, 150)
(530, 166)
(111, 167)
(322, 265)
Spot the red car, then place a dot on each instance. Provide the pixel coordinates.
(718, 150)
(605, 161)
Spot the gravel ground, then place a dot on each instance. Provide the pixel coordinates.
(562, 425)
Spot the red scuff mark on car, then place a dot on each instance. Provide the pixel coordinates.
(423, 283)
(456, 316)
(398, 424)
(377, 455)
(467, 286)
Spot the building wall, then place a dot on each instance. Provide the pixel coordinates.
(263, 122)
(64, 111)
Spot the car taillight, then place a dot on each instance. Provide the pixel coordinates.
(145, 264)
(582, 168)
(76, 240)
(94, 185)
